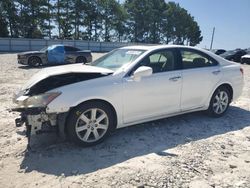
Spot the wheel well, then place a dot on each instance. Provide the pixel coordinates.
(36, 57)
(83, 57)
(229, 88)
(89, 101)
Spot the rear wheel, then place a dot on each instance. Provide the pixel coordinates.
(81, 59)
(34, 61)
(219, 102)
(90, 123)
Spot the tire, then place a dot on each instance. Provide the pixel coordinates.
(90, 123)
(219, 102)
(34, 61)
(81, 59)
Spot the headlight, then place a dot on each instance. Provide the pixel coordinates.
(37, 100)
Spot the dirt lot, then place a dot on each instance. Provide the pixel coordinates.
(191, 150)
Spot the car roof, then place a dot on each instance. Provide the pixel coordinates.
(221, 60)
(159, 46)
(56, 45)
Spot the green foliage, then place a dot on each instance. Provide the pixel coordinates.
(147, 21)
(3, 25)
(180, 26)
(10, 18)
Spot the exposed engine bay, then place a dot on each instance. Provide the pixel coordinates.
(35, 118)
(56, 81)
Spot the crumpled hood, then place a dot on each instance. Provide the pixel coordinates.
(65, 69)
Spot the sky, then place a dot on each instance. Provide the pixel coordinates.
(231, 19)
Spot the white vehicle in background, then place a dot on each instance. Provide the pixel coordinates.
(246, 59)
(127, 86)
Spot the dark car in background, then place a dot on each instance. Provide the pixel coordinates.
(234, 55)
(54, 54)
(218, 51)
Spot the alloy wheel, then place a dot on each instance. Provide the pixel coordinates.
(220, 102)
(92, 125)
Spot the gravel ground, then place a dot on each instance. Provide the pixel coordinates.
(190, 150)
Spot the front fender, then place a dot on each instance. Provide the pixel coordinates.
(72, 95)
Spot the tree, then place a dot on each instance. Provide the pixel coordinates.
(147, 21)
(92, 21)
(180, 26)
(46, 16)
(156, 20)
(78, 17)
(109, 10)
(4, 29)
(194, 34)
(137, 24)
(31, 18)
(10, 18)
(119, 23)
(64, 18)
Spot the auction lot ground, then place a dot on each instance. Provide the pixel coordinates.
(191, 150)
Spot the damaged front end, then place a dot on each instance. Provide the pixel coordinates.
(32, 102)
(33, 112)
(34, 116)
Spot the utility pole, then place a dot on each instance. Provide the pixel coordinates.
(211, 46)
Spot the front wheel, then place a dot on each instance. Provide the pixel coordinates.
(90, 123)
(219, 102)
(34, 61)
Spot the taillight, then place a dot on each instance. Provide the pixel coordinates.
(242, 71)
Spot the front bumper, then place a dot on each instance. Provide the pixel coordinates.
(22, 60)
(36, 120)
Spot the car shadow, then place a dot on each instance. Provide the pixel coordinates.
(127, 143)
(27, 67)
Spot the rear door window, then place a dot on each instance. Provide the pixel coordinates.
(194, 59)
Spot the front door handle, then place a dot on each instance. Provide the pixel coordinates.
(175, 78)
(216, 72)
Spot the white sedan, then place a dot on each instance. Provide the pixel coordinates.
(127, 86)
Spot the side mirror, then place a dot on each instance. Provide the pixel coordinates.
(142, 71)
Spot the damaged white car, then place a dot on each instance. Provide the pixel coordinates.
(127, 86)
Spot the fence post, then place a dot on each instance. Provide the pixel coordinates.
(10, 48)
(100, 48)
(29, 44)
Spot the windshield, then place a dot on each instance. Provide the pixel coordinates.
(117, 58)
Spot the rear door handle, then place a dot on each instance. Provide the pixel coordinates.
(216, 72)
(175, 78)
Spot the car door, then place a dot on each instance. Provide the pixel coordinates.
(56, 54)
(200, 74)
(155, 95)
(70, 54)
